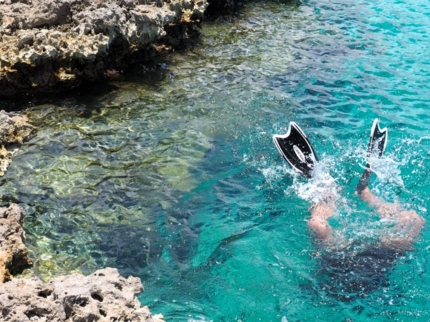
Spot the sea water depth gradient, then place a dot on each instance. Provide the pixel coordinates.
(173, 175)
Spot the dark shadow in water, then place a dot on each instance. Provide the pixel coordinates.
(25, 100)
(128, 248)
(222, 11)
(91, 95)
(349, 275)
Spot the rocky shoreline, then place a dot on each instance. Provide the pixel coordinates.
(102, 296)
(13, 252)
(14, 130)
(54, 45)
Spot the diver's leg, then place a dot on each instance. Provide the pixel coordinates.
(299, 153)
(407, 222)
(384, 209)
(364, 181)
(319, 220)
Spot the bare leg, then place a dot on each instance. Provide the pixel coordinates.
(319, 220)
(408, 223)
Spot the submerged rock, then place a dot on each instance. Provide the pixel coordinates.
(14, 130)
(13, 252)
(49, 43)
(101, 296)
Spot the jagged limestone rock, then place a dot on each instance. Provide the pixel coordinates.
(103, 296)
(13, 252)
(14, 130)
(46, 44)
(5, 159)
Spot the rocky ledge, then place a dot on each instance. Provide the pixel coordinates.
(101, 296)
(14, 130)
(49, 45)
(13, 252)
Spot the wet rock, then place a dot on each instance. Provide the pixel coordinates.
(46, 45)
(13, 252)
(101, 296)
(5, 160)
(14, 130)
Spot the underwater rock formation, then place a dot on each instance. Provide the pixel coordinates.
(14, 130)
(47, 45)
(101, 296)
(13, 252)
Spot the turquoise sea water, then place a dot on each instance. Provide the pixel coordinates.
(172, 176)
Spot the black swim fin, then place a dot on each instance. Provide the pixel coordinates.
(377, 144)
(378, 140)
(296, 149)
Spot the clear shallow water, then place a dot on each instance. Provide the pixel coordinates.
(173, 176)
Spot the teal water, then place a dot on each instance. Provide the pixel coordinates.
(173, 176)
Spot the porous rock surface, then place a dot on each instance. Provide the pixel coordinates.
(14, 130)
(103, 296)
(47, 44)
(13, 252)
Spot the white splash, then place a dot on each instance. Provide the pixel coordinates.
(320, 187)
(387, 170)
